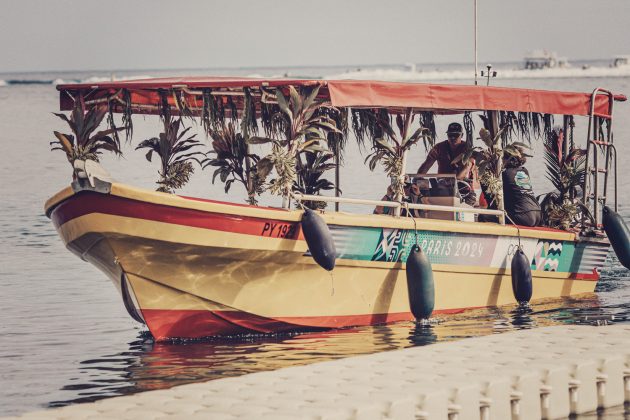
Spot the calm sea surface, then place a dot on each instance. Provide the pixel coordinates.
(65, 336)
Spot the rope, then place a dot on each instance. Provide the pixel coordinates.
(297, 200)
(518, 230)
(413, 219)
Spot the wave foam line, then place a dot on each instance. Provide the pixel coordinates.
(410, 76)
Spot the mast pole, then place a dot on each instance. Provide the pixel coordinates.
(337, 179)
(476, 73)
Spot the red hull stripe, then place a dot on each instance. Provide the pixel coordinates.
(594, 276)
(166, 324)
(89, 202)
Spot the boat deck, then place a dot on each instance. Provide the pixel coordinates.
(530, 374)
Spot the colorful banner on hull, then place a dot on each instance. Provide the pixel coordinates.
(394, 245)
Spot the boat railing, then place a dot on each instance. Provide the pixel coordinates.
(591, 184)
(397, 205)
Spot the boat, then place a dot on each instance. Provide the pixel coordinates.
(192, 267)
(620, 61)
(543, 59)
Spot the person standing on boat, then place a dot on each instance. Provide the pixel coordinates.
(445, 152)
(520, 202)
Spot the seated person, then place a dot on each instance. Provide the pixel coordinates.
(412, 195)
(445, 152)
(520, 203)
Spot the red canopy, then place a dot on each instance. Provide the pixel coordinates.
(351, 93)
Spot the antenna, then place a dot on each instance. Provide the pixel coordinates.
(488, 74)
(475, 42)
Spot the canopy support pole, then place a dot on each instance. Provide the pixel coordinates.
(476, 73)
(337, 179)
(403, 170)
(565, 131)
(494, 128)
(248, 166)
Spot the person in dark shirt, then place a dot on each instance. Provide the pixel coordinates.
(446, 151)
(520, 202)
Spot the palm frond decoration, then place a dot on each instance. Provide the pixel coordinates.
(489, 161)
(249, 123)
(548, 124)
(266, 111)
(274, 122)
(309, 176)
(561, 208)
(126, 115)
(229, 156)
(165, 108)
(364, 124)
(529, 125)
(523, 126)
(427, 120)
(469, 127)
(233, 109)
(537, 124)
(184, 109)
(111, 122)
(174, 148)
(510, 120)
(389, 148)
(85, 143)
(209, 113)
(221, 102)
(305, 128)
(336, 140)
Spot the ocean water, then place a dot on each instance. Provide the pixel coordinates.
(65, 336)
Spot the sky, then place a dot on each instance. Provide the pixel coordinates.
(43, 35)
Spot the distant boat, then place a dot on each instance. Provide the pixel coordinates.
(543, 59)
(620, 61)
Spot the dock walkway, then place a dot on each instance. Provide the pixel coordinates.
(547, 372)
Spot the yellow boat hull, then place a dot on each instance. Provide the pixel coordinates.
(193, 268)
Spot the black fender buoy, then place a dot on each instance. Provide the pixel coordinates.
(521, 277)
(618, 235)
(420, 285)
(319, 239)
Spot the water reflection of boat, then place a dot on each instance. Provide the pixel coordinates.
(149, 365)
(192, 267)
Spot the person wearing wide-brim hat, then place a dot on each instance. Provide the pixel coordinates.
(445, 152)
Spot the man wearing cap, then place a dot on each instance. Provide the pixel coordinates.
(446, 151)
